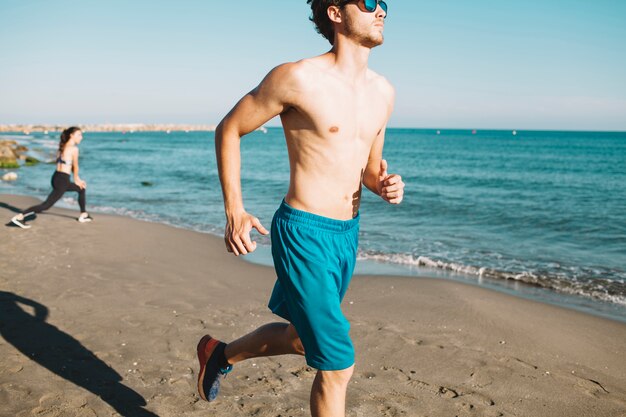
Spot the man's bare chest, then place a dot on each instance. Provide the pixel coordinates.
(344, 112)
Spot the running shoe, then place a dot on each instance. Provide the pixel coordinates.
(20, 223)
(85, 218)
(209, 353)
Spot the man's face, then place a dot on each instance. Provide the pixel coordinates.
(362, 26)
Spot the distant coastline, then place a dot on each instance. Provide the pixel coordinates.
(171, 127)
(125, 127)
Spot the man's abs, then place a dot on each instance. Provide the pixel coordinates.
(333, 196)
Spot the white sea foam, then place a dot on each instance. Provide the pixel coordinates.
(601, 289)
(46, 144)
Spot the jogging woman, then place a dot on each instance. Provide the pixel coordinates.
(67, 162)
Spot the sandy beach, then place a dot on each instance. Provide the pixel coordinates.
(102, 319)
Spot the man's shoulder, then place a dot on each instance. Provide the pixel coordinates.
(294, 73)
(304, 68)
(381, 82)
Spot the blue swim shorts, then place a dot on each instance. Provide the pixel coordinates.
(314, 257)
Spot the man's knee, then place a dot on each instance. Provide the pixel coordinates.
(336, 378)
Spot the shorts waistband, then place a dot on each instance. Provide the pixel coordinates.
(286, 212)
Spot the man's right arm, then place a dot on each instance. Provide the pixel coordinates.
(270, 98)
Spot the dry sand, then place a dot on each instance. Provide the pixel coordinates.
(103, 319)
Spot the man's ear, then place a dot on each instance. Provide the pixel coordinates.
(334, 14)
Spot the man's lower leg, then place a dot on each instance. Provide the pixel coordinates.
(268, 340)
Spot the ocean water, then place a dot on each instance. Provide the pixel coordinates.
(541, 214)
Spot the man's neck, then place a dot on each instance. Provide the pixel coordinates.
(350, 58)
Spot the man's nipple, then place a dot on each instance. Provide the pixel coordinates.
(333, 129)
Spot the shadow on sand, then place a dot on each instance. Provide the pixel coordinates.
(60, 353)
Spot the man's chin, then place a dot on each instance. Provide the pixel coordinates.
(375, 41)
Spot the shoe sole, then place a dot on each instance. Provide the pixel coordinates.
(205, 349)
(19, 224)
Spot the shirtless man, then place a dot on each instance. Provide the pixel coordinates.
(334, 111)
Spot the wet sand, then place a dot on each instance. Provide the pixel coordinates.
(103, 318)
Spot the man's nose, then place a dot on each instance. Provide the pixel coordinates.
(380, 12)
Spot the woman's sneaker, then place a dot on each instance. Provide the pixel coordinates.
(85, 218)
(19, 222)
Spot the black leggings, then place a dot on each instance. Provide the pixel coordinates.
(60, 184)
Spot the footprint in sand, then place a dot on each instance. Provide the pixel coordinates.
(394, 404)
(480, 398)
(522, 363)
(54, 405)
(15, 369)
(398, 332)
(591, 387)
(132, 321)
(368, 375)
(480, 378)
(447, 392)
(411, 380)
(416, 383)
(14, 391)
(397, 373)
(390, 411)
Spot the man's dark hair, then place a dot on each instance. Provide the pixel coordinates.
(319, 16)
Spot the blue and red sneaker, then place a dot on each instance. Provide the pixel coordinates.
(212, 369)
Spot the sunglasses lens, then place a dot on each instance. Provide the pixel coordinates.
(370, 5)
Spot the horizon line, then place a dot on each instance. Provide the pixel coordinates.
(208, 127)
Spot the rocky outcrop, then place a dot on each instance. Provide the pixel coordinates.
(10, 152)
(30, 161)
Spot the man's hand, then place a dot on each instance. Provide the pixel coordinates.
(390, 187)
(237, 235)
(81, 184)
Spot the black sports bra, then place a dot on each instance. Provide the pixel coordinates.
(61, 161)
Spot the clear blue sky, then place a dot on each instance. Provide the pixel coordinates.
(532, 64)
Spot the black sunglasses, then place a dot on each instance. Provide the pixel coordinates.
(370, 5)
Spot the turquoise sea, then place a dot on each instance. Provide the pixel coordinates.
(538, 214)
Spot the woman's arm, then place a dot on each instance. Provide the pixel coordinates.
(75, 169)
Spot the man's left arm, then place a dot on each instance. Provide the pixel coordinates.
(389, 187)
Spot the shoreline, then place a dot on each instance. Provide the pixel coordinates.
(134, 297)
(585, 304)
